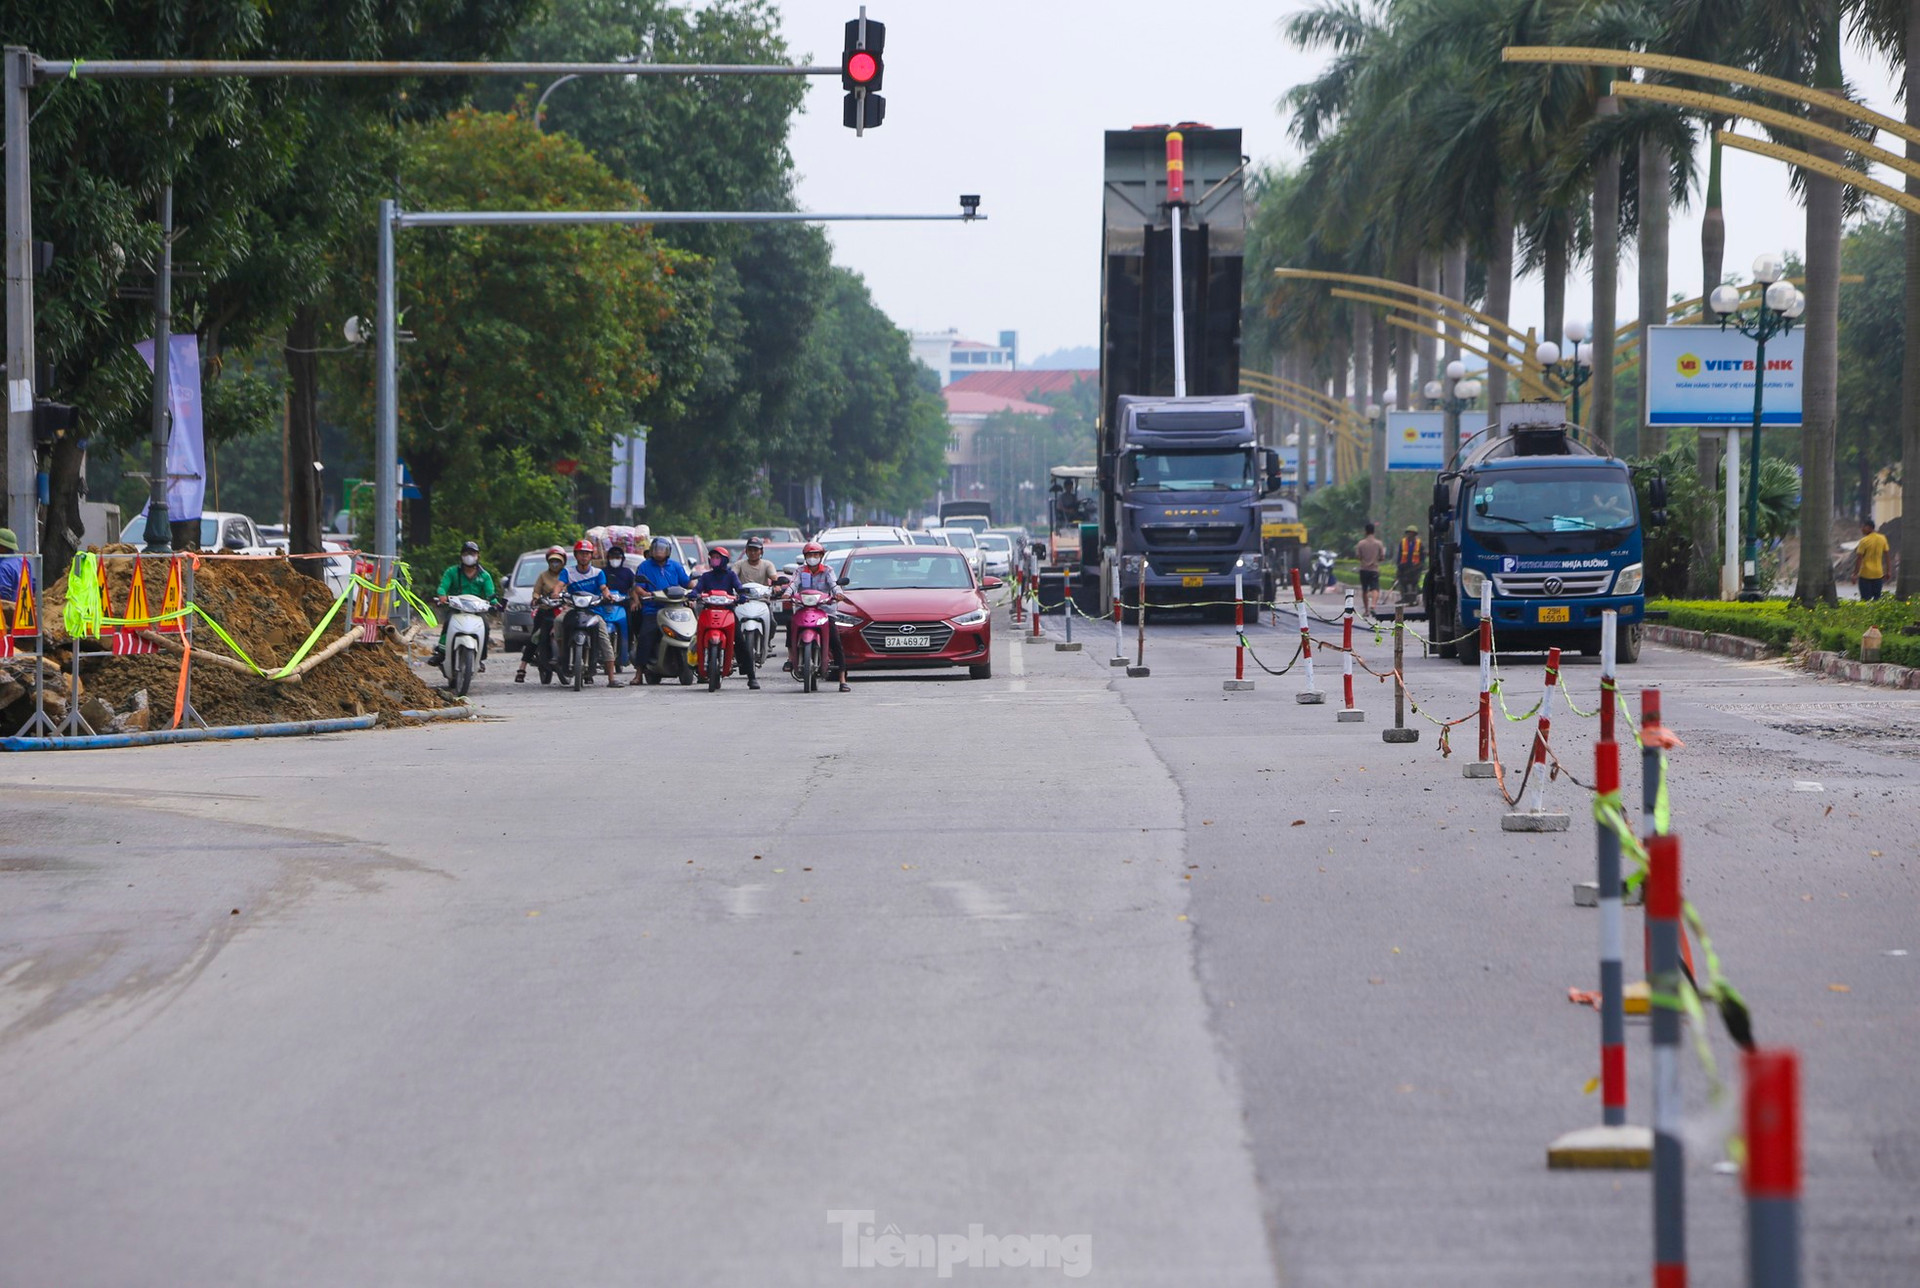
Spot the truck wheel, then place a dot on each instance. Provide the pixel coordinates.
(1468, 649)
(1629, 645)
(1441, 630)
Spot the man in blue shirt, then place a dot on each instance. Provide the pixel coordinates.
(582, 578)
(13, 570)
(656, 572)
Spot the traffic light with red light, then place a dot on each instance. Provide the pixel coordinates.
(862, 68)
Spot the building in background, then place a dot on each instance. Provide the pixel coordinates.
(950, 357)
(971, 399)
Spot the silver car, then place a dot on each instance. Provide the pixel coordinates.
(517, 622)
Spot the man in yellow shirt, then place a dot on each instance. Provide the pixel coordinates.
(1872, 556)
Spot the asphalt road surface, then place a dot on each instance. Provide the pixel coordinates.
(1164, 984)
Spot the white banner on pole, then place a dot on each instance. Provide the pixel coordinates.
(186, 443)
(1701, 375)
(630, 469)
(1417, 440)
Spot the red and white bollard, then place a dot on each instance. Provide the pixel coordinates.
(1609, 653)
(1482, 765)
(1239, 683)
(1664, 905)
(1538, 819)
(1348, 714)
(1119, 657)
(1309, 696)
(1772, 1179)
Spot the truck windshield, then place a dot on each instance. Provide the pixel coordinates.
(1551, 512)
(1217, 471)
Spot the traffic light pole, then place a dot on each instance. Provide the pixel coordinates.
(23, 69)
(386, 428)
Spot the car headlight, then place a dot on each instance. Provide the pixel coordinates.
(977, 617)
(841, 617)
(1472, 580)
(1628, 582)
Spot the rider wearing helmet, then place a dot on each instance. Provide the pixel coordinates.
(466, 577)
(658, 571)
(813, 574)
(621, 580)
(720, 576)
(582, 578)
(545, 586)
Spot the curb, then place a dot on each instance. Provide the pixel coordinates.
(1837, 666)
(1709, 642)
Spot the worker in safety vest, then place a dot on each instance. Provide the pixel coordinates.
(1412, 555)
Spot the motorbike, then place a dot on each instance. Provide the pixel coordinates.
(811, 622)
(1320, 576)
(716, 634)
(466, 636)
(677, 632)
(753, 618)
(577, 629)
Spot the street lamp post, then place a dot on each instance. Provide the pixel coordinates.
(1453, 396)
(1572, 367)
(1778, 308)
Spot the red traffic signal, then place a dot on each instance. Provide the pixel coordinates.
(861, 71)
(862, 68)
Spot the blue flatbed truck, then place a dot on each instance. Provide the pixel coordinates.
(1554, 528)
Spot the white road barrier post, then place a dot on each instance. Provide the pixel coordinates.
(1309, 696)
(1239, 683)
(1538, 819)
(1348, 714)
(1483, 766)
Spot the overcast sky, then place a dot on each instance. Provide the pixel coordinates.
(1009, 100)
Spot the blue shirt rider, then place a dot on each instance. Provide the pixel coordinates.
(658, 571)
(582, 578)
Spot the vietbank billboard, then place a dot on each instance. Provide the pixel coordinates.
(1701, 375)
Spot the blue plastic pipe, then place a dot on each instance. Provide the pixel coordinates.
(155, 737)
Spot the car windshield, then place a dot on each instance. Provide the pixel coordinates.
(1193, 471)
(961, 539)
(1563, 511)
(933, 570)
(997, 543)
(528, 569)
(925, 539)
(136, 532)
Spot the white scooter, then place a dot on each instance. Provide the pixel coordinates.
(677, 627)
(753, 620)
(466, 634)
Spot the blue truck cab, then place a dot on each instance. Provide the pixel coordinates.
(1554, 528)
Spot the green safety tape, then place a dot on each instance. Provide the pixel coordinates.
(1499, 691)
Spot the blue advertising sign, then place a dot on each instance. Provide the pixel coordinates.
(1703, 376)
(1416, 440)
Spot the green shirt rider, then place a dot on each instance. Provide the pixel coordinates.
(466, 577)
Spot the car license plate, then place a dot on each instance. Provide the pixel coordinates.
(1555, 614)
(1192, 583)
(909, 641)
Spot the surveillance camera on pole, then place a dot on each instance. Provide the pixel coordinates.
(862, 68)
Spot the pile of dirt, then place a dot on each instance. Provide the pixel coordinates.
(268, 608)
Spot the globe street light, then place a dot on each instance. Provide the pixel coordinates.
(1572, 366)
(1454, 396)
(1774, 313)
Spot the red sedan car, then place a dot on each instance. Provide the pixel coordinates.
(914, 606)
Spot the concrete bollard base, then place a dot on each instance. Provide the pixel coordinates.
(1311, 698)
(1586, 894)
(1399, 735)
(1351, 717)
(1116, 661)
(1477, 769)
(1139, 672)
(1067, 648)
(1237, 686)
(1624, 1149)
(1531, 822)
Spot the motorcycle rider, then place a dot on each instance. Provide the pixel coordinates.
(547, 584)
(466, 577)
(658, 571)
(585, 579)
(813, 574)
(620, 580)
(755, 570)
(720, 576)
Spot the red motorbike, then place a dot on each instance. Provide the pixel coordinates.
(714, 637)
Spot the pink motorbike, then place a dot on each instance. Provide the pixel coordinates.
(811, 622)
